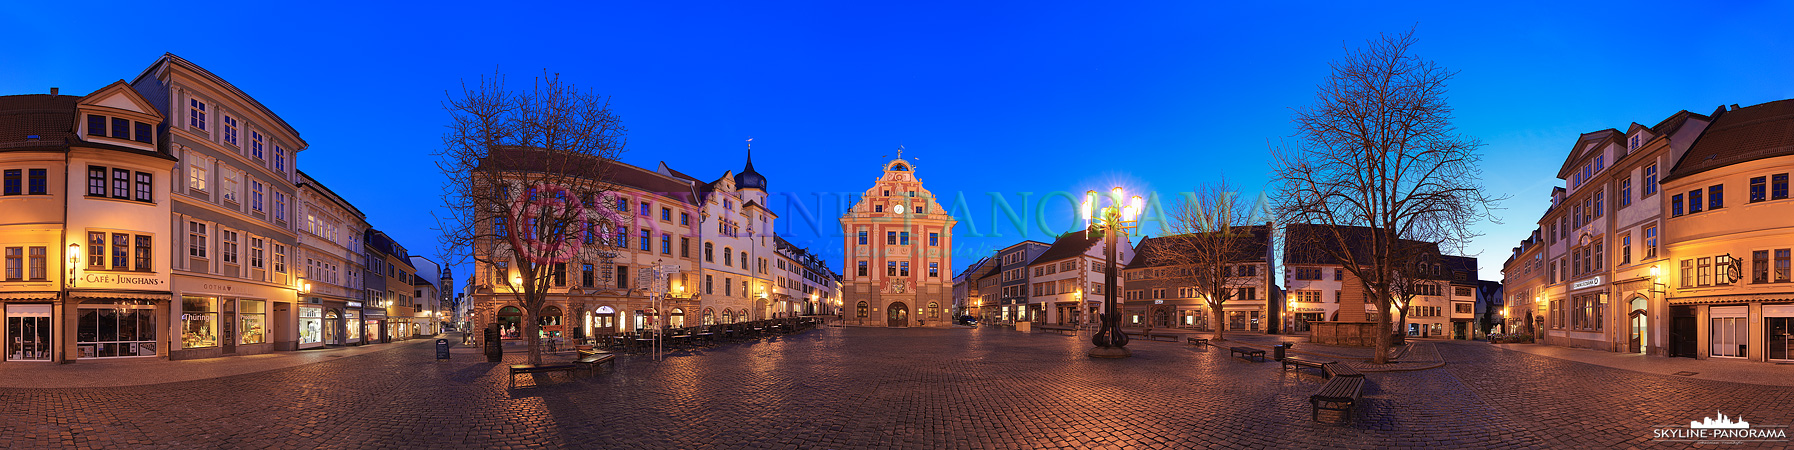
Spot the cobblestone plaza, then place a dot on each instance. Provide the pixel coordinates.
(887, 388)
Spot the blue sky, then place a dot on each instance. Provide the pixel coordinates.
(997, 97)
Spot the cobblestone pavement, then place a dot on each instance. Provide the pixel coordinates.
(878, 388)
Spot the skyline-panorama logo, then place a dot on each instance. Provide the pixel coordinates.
(1721, 429)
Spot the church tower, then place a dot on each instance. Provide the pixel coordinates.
(898, 254)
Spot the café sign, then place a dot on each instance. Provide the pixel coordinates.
(124, 279)
(1588, 283)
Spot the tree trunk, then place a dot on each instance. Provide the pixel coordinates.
(1220, 326)
(530, 335)
(1384, 340)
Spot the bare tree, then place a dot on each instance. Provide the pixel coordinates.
(1414, 269)
(1378, 149)
(526, 188)
(1212, 232)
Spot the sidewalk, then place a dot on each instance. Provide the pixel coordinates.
(1730, 370)
(143, 371)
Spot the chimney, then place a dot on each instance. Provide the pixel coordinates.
(55, 90)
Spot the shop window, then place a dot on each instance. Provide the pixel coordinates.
(311, 325)
(115, 330)
(252, 320)
(199, 322)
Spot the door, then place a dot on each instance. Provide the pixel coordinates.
(1459, 329)
(1636, 333)
(1682, 332)
(898, 315)
(1781, 341)
(28, 333)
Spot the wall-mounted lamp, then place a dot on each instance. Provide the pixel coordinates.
(1657, 286)
(74, 262)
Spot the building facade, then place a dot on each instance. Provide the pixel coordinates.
(1589, 276)
(1726, 230)
(601, 288)
(968, 297)
(1013, 282)
(232, 208)
(333, 266)
(1065, 284)
(86, 231)
(1160, 294)
(898, 247)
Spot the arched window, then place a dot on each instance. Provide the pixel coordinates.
(604, 320)
(709, 316)
(934, 310)
(709, 255)
(860, 310)
(677, 320)
(728, 256)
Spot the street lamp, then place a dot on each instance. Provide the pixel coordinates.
(74, 262)
(1114, 220)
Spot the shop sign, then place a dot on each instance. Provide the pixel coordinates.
(119, 278)
(217, 287)
(1308, 309)
(1588, 283)
(354, 304)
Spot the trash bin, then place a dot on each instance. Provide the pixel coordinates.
(1277, 351)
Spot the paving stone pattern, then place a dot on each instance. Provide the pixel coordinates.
(881, 388)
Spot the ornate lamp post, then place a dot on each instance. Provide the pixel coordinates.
(1114, 220)
(657, 292)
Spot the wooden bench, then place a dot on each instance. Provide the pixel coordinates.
(1162, 337)
(1316, 365)
(592, 360)
(1342, 370)
(1339, 394)
(1197, 340)
(534, 368)
(1248, 352)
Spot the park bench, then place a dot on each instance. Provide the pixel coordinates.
(1339, 394)
(537, 368)
(1068, 331)
(1161, 337)
(1197, 340)
(1342, 370)
(592, 360)
(1244, 352)
(1316, 365)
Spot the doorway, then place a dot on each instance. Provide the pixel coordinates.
(1636, 321)
(898, 315)
(1781, 341)
(28, 332)
(1683, 334)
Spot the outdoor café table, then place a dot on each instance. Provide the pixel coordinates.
(707, 337)
(644, 342)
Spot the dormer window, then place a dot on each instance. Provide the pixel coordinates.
(120, 128)
(1633, 144)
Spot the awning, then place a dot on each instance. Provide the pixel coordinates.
(1778, 297)
(35, 295)
(121, 295)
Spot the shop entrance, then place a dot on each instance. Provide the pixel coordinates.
(550, 322)
(604, 321)
(898, 315)
(510, 322)
(333, 327)
(28, 332)
(1781, 340)
(1683, 334)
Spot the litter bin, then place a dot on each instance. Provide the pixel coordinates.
(1277, 351)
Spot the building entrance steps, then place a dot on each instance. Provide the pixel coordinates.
(145, 371)
(1716, 369)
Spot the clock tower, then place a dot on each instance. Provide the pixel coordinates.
(898, 254)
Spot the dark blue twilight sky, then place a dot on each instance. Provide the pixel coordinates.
(1000, 97)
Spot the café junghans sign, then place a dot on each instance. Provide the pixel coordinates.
(122, 279)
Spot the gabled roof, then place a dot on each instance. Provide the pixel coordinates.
(1593, 140)
(1740, 135)
(587, 166)
(51, 118)
(979, 269)
(1155, 252)
(1301, 243)
(1068, 245)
